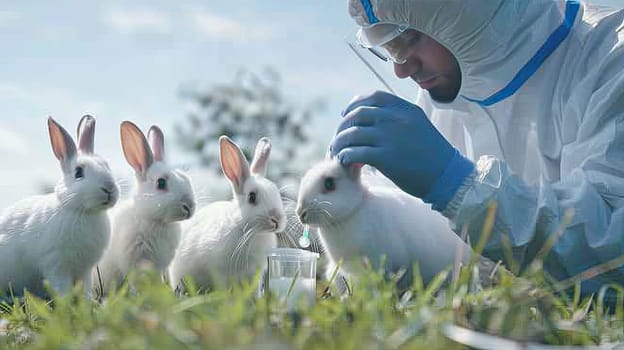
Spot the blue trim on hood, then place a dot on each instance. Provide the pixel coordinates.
(369, 11)
(551, 44)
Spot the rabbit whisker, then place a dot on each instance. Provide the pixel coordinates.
(280, 239)
(294, 227)
(66, 200)
(242, 244)
(288, 202)
(203, 199)
(237, 247)
(287, 186)
(287, 240)
(326, 212)
(123, 183)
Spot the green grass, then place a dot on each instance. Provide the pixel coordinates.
(449, 313)
(149, 315)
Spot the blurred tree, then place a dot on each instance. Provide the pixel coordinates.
(249, 107)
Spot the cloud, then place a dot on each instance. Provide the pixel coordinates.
(138, 21)
(212, 26)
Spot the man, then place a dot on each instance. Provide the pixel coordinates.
(533, 91)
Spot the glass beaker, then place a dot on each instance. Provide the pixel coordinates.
(292, 276)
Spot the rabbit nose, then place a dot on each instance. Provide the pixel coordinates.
(302, 215)
(107, 191)
(188, 201)
(275, 216)
(188, 210)
(275, 222)
(299, 209)
(275, 213)
(111, 185)
(188, 205)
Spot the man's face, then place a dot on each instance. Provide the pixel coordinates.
(428, 63)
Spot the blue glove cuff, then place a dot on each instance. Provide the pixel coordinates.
(443, 190)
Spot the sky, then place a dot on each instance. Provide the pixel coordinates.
(128, 60)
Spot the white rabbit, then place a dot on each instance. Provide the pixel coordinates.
(358, 221)
(146, 227)
(232, 238)
(291, 238)
(60, 236)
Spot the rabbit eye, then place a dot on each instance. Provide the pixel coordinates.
(79, 173)
(161, 184)
(251, 198)
(329, 184)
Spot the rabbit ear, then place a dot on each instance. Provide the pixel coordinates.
(233, 163)
(157, 142)
(86, 134)
(261, 156)
(135, 148)
(354, 171)
(62, 144)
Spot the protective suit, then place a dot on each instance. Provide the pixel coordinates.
(540, 111)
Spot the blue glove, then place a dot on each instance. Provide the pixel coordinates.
(397, 138)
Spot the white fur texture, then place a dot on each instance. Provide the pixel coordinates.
(60, 236)
(228, 240)
(145, 228)
(357, 221)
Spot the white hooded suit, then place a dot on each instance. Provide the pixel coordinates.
(540, 111)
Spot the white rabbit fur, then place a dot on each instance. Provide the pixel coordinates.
(232, 238)
(146, 227)
(60, 236)
(358, 221)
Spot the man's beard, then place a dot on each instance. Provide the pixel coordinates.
(439, 95)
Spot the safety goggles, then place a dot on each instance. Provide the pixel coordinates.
(377, 61)
(388, 42)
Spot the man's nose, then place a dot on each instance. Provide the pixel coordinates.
(407, 69)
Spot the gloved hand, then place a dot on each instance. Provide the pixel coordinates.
(396, 137)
